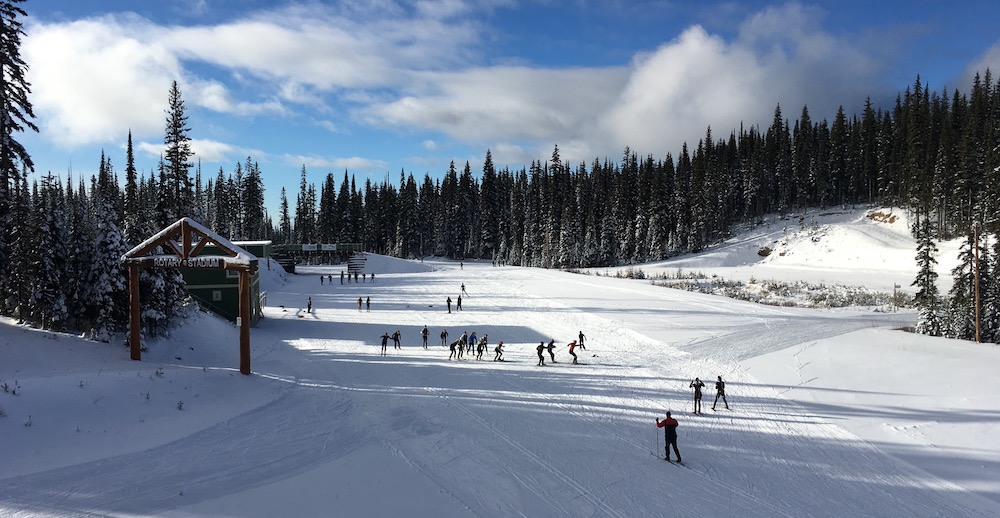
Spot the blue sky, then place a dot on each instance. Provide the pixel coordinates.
(378, 86)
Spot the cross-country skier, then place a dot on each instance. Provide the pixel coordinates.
(321, 279)
(341, 276)
(720, 391)
(463, 289)
(540, 349)
(580, 341)
(552, 349)
(669, 426)
(423, 333)
(472, 342)
(395, 340)
(449, 304)
(499, 351)
(359, 304)
(463, 342)
(697, 385)
(385, 341)
(368, 304)
(452, 348)
(458, 306)
(480, 347)
(309, 305)
(572, 345)
(444, 337)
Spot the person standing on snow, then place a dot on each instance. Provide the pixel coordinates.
(697, 385)
(444, 337)
(580, 341)
(540, 349)
(341, 277)
(395, 340)
(458, 307)
(669, 426)
(449, 304)
(359, 304)
(423, 333)
(309, 305)
(368, 304)
(321, 279)
(499, 351)
(385, 341)
(472, 342)
(572, 345)
(480, 347)
(720, 391)
(552, 349)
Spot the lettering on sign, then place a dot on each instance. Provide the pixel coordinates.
(192, 262)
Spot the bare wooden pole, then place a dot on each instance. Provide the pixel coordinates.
(135, 346)
(244, 294)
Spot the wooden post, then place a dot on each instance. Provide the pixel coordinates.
(244, 317)
(133, 313)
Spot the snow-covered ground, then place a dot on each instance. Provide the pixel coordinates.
(833, 413)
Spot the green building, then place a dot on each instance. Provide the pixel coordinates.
(218, 290)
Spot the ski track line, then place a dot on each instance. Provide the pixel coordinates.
(614, 432)
(568, 480)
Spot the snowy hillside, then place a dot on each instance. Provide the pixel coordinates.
(833, 413)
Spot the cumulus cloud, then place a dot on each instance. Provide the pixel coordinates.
(92, 80)
(408, 68)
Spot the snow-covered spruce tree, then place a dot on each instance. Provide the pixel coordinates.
(960, 321)
(15, 117)
(22, 250)
(928, 300)
(80, 254)
(48, 300)
(108, 292)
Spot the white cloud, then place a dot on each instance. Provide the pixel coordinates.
(207, 151)
(93, 80)
(338, 163)
(989, 60)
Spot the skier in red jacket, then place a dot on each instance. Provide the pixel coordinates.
(669, 426)
(572, 345)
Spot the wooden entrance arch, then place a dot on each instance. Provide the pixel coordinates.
(183, 242)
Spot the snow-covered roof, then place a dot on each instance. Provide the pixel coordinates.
(240, 257)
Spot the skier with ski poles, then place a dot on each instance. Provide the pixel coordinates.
(480, 347)
(385, 342)
(572, 345)
(669, 425)
(697, 385)
(423, 334)
(720, 391)
(552, 349)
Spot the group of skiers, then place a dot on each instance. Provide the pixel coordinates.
(458, 306)
(469, 343)
(669, 424)
(551, 347)
(328, 279)
(720, 391)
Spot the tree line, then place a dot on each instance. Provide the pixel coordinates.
(935, 154)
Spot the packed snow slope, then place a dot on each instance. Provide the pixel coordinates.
(832, 413)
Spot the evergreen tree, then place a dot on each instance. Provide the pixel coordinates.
(927, 299)
(179, 198)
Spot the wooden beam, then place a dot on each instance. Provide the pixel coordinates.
(134, 321)
(244, 294)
